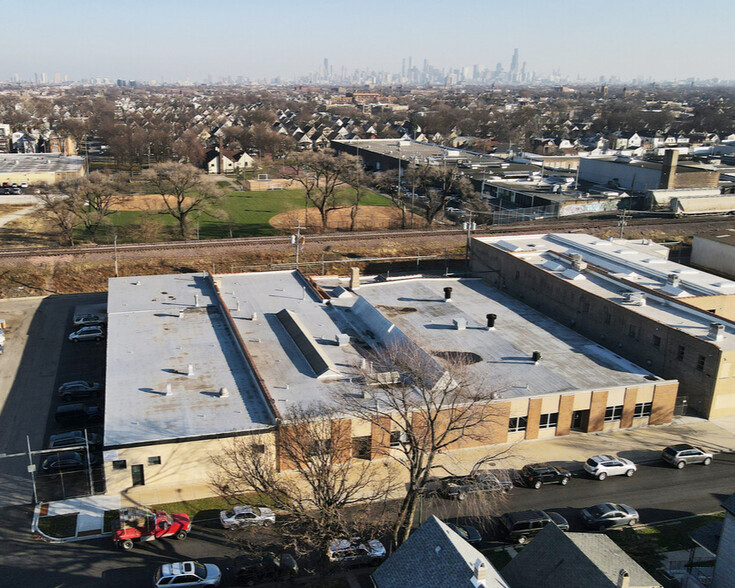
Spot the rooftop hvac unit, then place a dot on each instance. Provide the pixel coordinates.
(635, 298)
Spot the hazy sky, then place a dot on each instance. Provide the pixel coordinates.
(173, 39)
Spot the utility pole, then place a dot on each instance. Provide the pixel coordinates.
(89, 463)
(298, 241)
(115, 245)
(623, 220)
(32, 470)
(470, 226)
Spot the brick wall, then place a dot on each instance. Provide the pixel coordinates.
(597, 411)
(629, 408)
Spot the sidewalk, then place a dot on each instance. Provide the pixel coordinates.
(571, 451)
(639, 445)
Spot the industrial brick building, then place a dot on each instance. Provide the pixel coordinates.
(674, 320)
(195, 361)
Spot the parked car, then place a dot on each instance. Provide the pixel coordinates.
(71, 439)
(468, 533)
(78, 389)
(87, 334)
(67, 460)
(244, 515)
(535, 475)
(24, 184)
(15, 191)
(460, 487)
(187, 573)
(77, 414)
(607, 515)
(602, 466)
(683, 453)
(355, 552)
(2, 337)
(522, 526)
(89, 319)
(270, 568)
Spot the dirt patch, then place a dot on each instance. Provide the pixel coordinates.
(143, 202)
(368, 217)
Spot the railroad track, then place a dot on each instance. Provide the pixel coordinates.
(575, 224)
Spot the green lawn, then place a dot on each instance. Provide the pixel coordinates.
(203, 509)
(242, 214)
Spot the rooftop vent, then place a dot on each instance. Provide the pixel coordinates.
(716, 331)
(480, 569)
(224, 392)
(673, 280)
(536, 356)
(448, 293)
(342, 339)
(190, 370)
(460, 324)
(635, 298)
(623, 579)
(168, 391)
(491, 318)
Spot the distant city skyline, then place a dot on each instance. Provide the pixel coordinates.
(174, 41)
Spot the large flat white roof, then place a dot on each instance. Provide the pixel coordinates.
(290, 334)
(626, 267)
(154, 333)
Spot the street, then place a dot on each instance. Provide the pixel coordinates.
(657, 491)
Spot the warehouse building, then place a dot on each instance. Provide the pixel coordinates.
(39, 168)
(674, 320)
(195, 361)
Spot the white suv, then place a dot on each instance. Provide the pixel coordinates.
(187, 573)
(602, 466)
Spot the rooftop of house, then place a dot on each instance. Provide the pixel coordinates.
(574, 559)
(626, 270)
(435, 555)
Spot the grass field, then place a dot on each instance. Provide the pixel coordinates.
(241, 214)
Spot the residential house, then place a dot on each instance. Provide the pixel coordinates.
(228, 162)
(575, 560)
(434, 556)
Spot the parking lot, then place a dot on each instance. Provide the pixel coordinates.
(37, 359)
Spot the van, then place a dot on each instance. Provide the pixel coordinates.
(77, 414)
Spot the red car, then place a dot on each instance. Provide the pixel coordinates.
(145, 524)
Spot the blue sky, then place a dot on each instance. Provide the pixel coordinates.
(174, 39)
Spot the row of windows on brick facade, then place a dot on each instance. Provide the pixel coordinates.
(656, 342)
(550, 420)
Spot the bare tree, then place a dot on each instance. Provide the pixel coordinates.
(184, 189)
(355, 177)
(92, 199)
(424, 405)
(56, 208)
(320, 174)
(437, 185)
(387, 182)
(314, 444)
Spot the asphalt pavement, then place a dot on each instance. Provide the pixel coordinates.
(659, 492)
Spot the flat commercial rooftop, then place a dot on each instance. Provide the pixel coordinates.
(632, 264)
(155, 332)
(569, 360)
(39, 162)
(305, 350)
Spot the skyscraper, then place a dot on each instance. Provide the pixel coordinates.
(513, 73)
